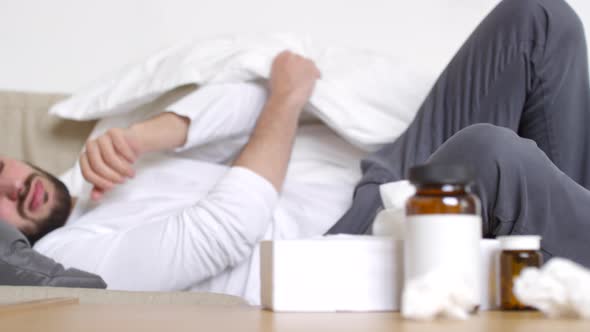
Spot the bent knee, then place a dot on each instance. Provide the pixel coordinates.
(561, 20)
(483, 137)
(480, 142)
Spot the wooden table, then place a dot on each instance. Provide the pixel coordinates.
(69, 316)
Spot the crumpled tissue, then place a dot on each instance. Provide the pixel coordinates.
(438, 294)
(391, 220)
(561, 288)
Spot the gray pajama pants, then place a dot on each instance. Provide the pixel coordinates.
(514, 103)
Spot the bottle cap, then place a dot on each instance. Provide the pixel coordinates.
(520, 242)
(440, 174)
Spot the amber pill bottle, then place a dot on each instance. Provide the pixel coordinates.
(518, 252)
(443, 224)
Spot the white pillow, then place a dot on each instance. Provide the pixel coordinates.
(367, 98)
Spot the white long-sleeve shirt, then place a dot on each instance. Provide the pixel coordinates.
(189, 221)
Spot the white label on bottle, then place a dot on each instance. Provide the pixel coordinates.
(448, 243)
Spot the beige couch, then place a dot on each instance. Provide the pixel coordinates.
(30, 134)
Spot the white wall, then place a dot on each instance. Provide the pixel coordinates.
(62, 45)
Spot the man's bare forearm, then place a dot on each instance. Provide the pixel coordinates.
(292, 81)
(162, 132)
(108, 159)
(269, 148)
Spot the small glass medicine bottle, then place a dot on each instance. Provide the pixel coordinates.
(518, 252)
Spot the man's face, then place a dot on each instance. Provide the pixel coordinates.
(34, 200)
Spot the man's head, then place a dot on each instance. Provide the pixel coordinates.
(41, 203)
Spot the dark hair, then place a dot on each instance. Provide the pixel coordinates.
(60, 211)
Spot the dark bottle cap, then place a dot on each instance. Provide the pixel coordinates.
(441, 174)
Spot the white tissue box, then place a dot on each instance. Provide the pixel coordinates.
(346, 273)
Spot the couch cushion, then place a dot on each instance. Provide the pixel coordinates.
(29, 133)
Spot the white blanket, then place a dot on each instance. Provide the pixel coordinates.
(367, 98)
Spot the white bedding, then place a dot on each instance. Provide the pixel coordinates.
(364, 99)
(367, 98)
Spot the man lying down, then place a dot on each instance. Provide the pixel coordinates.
(161, 214)
(513, 104)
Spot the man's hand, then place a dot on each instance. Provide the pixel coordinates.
(108, 160)
(292, 79)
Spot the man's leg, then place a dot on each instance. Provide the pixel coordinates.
(522, 191)
(524, 68)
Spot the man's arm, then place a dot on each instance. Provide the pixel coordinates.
(108, 160)
(269, 148)
(163, 132)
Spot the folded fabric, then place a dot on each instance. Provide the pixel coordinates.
(561, 288)
(367, 98)
(20, 265)
(437, 294)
